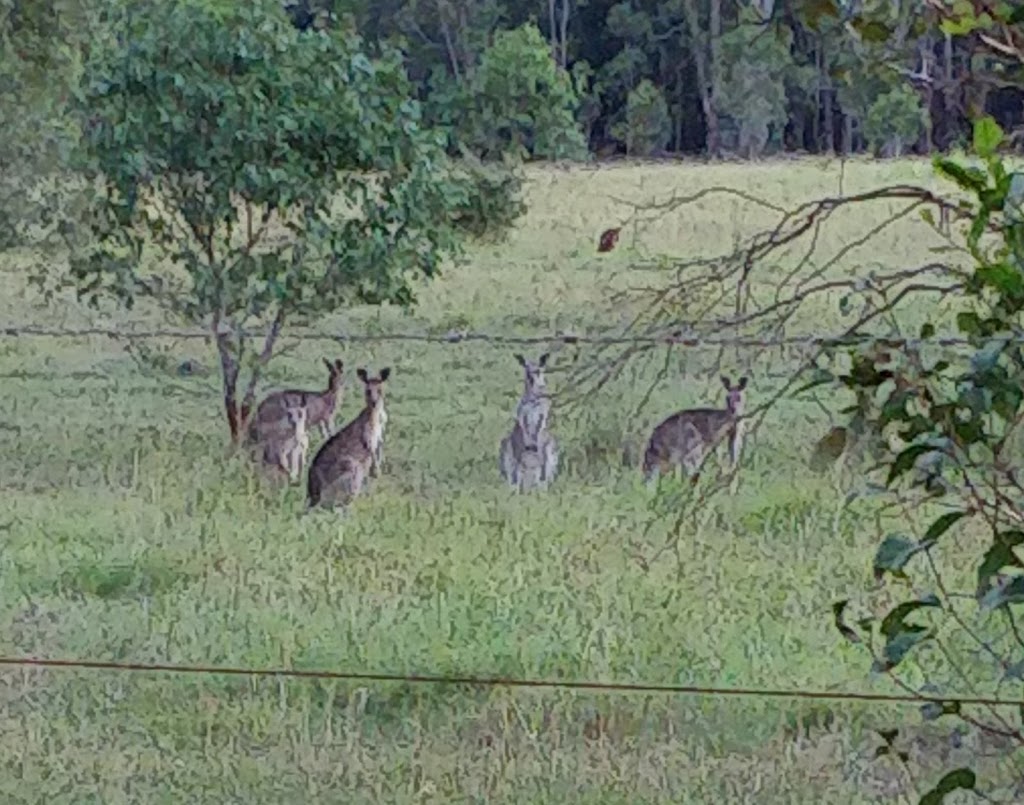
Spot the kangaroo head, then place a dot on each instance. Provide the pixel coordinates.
(296, 417)
(734, 395)
(335, 377)
(533, 373)
(373, 387)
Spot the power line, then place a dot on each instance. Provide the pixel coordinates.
(511, 682)
(456, 337)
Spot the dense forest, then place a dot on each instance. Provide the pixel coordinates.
(743, 78)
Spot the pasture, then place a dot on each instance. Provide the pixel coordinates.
(128, 535)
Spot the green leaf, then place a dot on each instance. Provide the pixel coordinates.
(872, 30)
(958, 779)
(895, 621)
(1013, 205)
(986, 358)
(968, 322)
(999, 555)
(893, 555)
(837, 619)
(1004, 278)
(905, 461)
(942, 525)
(935, 710)
(1004, 594)
(988, 136)
(815, 10)
(969, 178)
(898, 647)
(963, 23)
(927, 331)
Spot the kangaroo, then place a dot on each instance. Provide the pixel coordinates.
(344, 462)
(685, 438)
(321, 406)
(285, 449)
(528, 455)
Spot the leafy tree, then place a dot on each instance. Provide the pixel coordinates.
(518, 100)
(40, 56)
(954, 428)
(753, 85)
(646, 127)
(894, 120)
(252, 174)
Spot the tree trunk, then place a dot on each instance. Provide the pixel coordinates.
(563, 60)
(249, 398)
(553, 30)
(238, 412)
(705, 50)
(229, 362)
(847, 134)
(714, 38)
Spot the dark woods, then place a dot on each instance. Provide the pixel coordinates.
(659, 77)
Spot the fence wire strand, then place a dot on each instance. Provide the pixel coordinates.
(509, 682)
(675, 338)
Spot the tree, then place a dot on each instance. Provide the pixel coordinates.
(252, 174)
(646, 127)
(753, 84)
(894, 120)
(40, 57)
(518, 100)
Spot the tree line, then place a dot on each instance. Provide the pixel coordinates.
(634, 77)
(746, 77)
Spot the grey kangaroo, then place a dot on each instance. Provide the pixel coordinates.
(284, 450)
(528, 456)
(321, 406)
(685, 438)
(343, 464)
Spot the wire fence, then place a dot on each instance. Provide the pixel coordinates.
(461, 336)
(674, 338)
(512, 682)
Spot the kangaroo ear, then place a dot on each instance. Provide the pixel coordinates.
(520, 359)
(725, 382)
(743, 383)
(544, 360)
(327, 363)
(385, 373)
(361, 373)
(339, 365)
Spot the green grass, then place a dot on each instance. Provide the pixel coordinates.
(130, 536)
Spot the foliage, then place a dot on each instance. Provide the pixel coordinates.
(894, 120)
(753, 87)
(646, 126)
(954, 432)
(516, 101)
(222, 141)
(40, 55)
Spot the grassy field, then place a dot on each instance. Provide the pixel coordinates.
(129, 536)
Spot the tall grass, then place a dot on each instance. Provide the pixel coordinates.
(129, 535)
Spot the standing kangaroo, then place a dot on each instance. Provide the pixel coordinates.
(284, 449)
(344, 462)
(528, 456)
(321, 406)
(685, 438)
